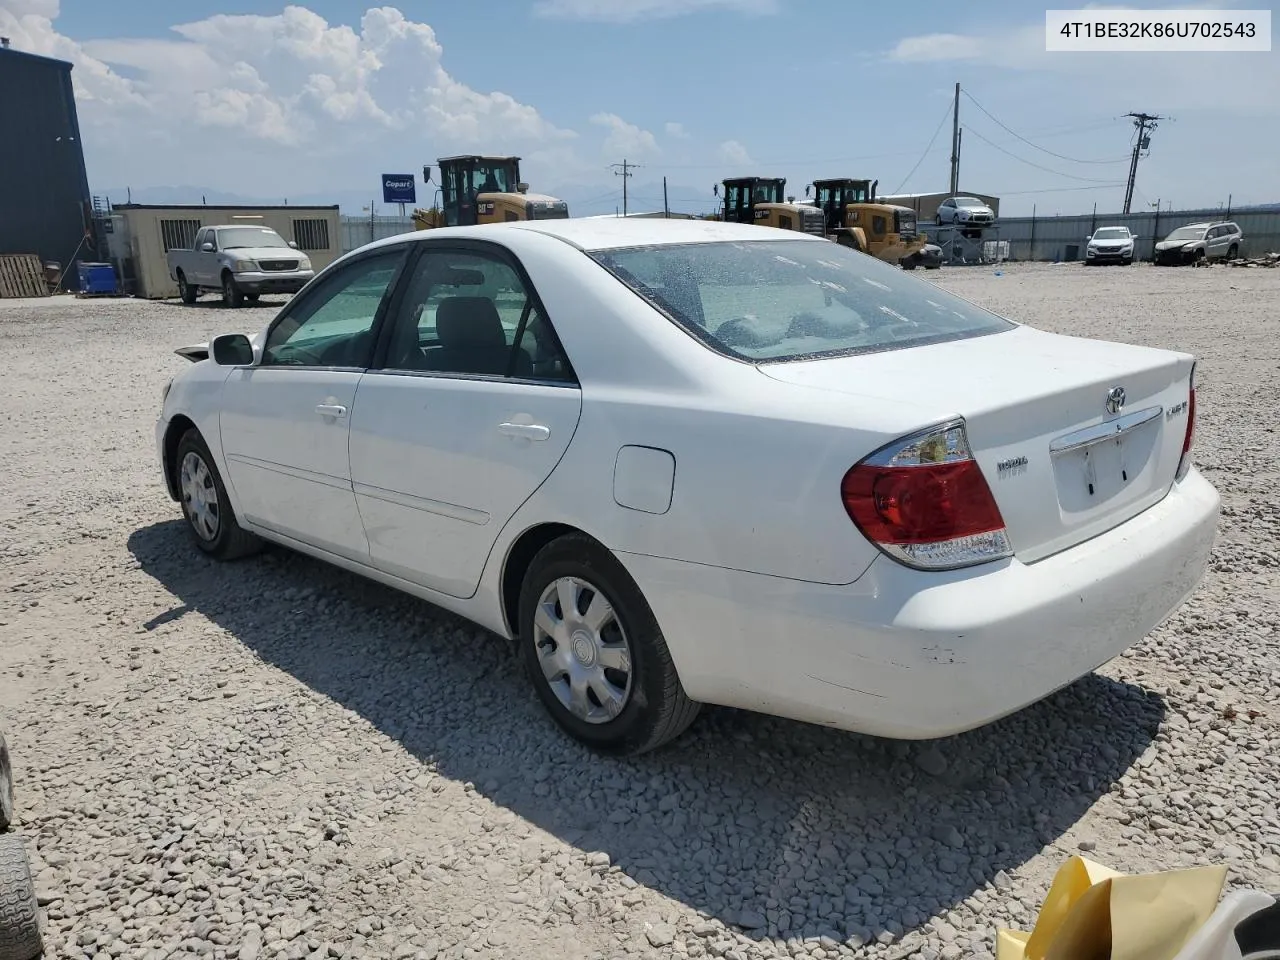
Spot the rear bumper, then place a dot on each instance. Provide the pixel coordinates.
(914, 655)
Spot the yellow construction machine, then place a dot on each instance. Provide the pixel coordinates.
(759, 200)
(479, 189)
(852, 217)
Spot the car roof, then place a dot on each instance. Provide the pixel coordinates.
(611, 233)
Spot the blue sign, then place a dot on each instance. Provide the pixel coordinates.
(398, 188)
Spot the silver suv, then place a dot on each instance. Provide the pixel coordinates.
(1200, 241)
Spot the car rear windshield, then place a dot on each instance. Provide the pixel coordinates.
(777, 300)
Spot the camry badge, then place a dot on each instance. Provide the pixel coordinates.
(1115, 399)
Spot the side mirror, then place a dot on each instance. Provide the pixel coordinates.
(426, 174)
(232, 350)
(293, 244)
(522, 187)
(207, 247)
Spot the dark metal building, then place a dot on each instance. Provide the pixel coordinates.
(45, 207)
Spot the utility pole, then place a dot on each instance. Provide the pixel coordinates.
(666, 206)
(626, 174)
(1145, 122)
(955, 144)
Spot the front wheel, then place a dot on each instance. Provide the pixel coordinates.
(595, 654)
(205, 503)
(1233, 252)
(231, 295)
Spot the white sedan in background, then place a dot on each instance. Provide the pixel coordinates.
(686, 462)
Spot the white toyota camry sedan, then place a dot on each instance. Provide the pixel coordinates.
(685, 462)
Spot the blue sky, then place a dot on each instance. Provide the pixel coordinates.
(251, 99)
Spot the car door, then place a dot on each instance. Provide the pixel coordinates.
(947, 211)
(207, 260)
(1216, 244)
(470, 409)
(285, 420)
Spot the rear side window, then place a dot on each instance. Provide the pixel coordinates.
(778, 300)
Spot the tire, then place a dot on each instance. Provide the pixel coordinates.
(187, 292)
(211, 519)
(1127, 262)
(20, 937)
(933, 266)
(1233, 251)
(231, 295)
(6, 787)
(643, 705)
(908, 264)
(252, 297)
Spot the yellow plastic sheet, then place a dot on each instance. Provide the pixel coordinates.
(1095, 913)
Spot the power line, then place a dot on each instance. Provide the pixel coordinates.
(1019, 136)
(1058, 173)
(1026, 193)
(626, 174)
(1142, 122)
(936, 131)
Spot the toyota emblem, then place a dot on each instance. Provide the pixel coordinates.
(1115, 399)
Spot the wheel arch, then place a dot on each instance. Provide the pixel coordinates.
(516, 564)
(173, 434)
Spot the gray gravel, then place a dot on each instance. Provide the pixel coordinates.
(273, 759)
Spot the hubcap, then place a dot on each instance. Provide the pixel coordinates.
(582, 649)
(200, 496)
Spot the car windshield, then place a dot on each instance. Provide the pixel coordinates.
(1186, 233)
(969, 202)
(235, 238)
(774, 300)
(1111, 233)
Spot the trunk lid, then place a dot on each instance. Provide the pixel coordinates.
(1062, 465)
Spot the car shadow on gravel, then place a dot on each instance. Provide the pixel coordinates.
(781, 828)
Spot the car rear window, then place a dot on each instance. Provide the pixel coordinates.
(778, 300)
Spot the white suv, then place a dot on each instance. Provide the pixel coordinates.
(1110, 244)
(1200, 241)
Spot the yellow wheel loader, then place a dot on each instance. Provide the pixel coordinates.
(852, 217)
(759, 200)
(478, 189)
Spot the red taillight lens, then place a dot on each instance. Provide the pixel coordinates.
(1184, 464)
(925, 502)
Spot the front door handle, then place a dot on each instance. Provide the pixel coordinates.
(332, 410)
(526, 431)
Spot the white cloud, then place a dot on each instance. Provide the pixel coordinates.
(677, 131)
(1167, 81)
(627, 11)
(735, 154)
(625, 139)
(290, 87)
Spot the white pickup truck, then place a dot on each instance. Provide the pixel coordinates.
(243, 262)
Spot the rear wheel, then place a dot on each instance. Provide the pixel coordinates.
(186, 291)
(231, 295)
(20, 937)
(205, 503)
(594, 652)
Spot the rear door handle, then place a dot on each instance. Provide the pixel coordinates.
(332, 410)
(527, 431)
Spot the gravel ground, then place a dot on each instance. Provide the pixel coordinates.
(273, 759)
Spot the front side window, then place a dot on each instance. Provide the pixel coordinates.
(333, 325)
(772, 300)
(471, 313)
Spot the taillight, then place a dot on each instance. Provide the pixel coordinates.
(924, 501)
(1184, 465)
